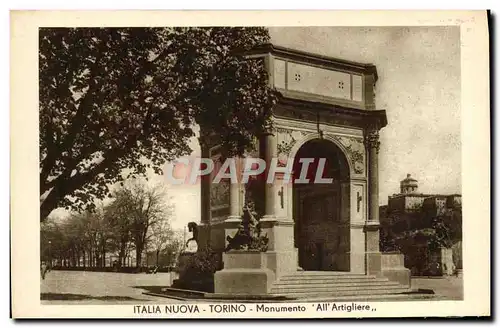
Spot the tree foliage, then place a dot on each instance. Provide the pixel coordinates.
(422, 229)
(141, 208)
(112, 97)
(161, 239)
(198, 272)
(80, 238)
(169, 251)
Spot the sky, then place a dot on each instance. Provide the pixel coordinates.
(418, 86)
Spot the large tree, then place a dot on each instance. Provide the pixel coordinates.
(112, 97)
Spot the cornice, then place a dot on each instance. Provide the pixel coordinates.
(307, 57)
(362, 118)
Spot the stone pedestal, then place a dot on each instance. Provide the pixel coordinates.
(392, 267)
(373, 258)
(281, 254)
(177, 274)
(357, 250)
(447, 266)
(203, 235)
(231, 226)
(244, 273)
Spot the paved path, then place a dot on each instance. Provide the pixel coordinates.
(100, 287)
(80, 287)
(449, 288)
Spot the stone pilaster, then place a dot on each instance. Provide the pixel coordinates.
(281, 255)
(205, 183)
(373, 145)
(204, 228)
(270, 151)
(372, 234)
(234, 201)
(233, 221)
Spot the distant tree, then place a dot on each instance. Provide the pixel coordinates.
(404, 231)
(448, 227)
(161, 234)
(120, 225)
(76, 244)
(110, 98)
(52, 241)
(141, 207)
(172, 249)
(89, 234)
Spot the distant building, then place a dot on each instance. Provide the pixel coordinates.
(410, 200)
(410, 214)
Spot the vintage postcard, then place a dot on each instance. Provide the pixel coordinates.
(289, 164)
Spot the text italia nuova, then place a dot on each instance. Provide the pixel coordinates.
(171, 308)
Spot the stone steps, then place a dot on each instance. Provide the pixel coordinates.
(376, 290)
(328, 273)
(366, 298)
(326, 280)
(334, 284)
(303, 284)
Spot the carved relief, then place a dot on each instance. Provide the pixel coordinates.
(355, 152)
(372, 140)
(304, 133)
(219, 194)
(286, 141)
(287, 138)
(254, 150)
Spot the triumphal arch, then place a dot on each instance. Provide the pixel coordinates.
(326, 109)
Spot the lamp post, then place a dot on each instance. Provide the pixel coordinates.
(50, 254)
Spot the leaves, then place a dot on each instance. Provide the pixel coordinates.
(138, 209)
(116, 98)
(442, 228)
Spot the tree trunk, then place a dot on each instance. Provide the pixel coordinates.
(97, 258)
(46, 208)
(138, 257)
(157, 257)
(121, 257)
(103, 255)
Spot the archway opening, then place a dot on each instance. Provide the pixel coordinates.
(322, 210)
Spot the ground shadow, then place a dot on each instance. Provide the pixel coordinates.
(151, 289)
(81, 297)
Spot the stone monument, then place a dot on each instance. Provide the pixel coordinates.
(326, 109)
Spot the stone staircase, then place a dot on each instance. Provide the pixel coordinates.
(337, 285)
